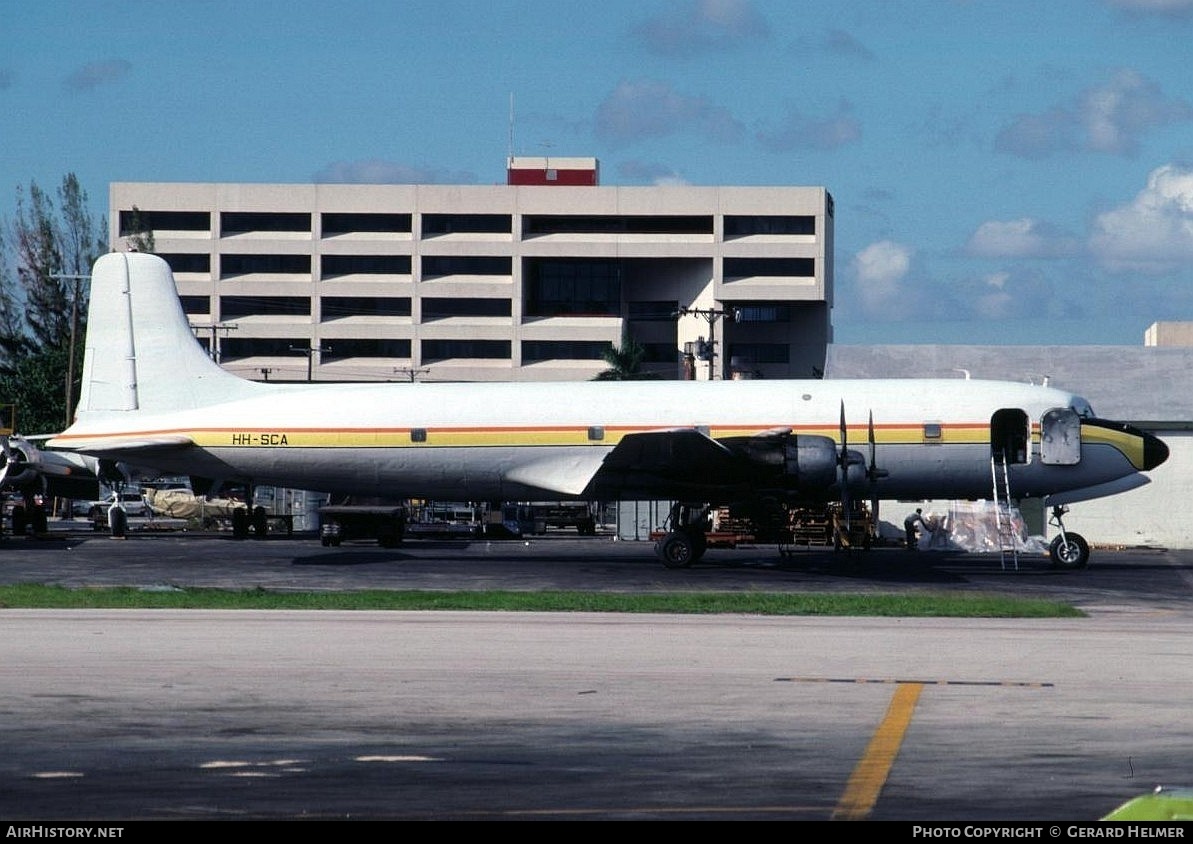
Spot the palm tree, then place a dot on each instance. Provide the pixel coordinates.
(625, 362)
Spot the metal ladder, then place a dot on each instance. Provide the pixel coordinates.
(1004, 522)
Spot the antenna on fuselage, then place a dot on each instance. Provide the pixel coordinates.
(965, 371)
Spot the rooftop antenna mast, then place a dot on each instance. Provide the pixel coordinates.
(511, 153)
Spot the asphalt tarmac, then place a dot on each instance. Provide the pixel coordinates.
(75, 556)
(115, 716)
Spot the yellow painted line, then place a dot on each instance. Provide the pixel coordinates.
(868, 778)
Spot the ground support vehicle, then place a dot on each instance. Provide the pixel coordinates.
(341, 522)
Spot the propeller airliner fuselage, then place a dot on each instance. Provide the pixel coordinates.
(152, 396)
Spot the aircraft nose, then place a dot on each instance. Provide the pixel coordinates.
(1155, 451)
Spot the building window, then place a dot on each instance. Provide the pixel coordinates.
(195, 304)
(484, 349)
(663, 310)
(187, 262)
(138, 222)
(336, 224)
(660, 353)
(578, 286)
(339, 348)
(339, 307)
(443, 265)
(334, 265)
(535, 225)
(758, 353)
(243, 222)
(762, 313)
(443, 308)
(441, 224)
(234, 265)
(540, 350)
(238, 307)
(745, 225)
(232, 348)
(769, 267)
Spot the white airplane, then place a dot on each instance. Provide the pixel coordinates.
(152, 396)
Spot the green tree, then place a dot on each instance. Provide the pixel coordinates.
(44, 301)
(139, 236)
(625, 362)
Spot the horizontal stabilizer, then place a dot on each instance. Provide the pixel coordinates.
(100, 446)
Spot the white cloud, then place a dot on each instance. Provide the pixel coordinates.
(1154, 232)
(798, 131)
(994, 299)
(697, 26)
(1109, 118)
(879, 271)
(376, 171)
(1022, 238)
(843, 43)
(94, 74)
(648, 108)
(1165, 8)
(649, 172)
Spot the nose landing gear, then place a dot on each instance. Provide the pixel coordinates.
(1067, 550)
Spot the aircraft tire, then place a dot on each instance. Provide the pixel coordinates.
(1069, 552)
(676, 550)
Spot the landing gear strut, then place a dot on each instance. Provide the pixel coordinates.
(1067, 550)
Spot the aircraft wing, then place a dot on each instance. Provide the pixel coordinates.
(673, 463)
(681, 456)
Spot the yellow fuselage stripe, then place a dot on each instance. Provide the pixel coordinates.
(297, 437)
(1131, 445)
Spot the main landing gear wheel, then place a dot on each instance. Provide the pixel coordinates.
(1069, 551)
(678, 550)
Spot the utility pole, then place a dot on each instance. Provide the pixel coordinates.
(213, 351)
(410, 372)
(711, 315)
(310, 352)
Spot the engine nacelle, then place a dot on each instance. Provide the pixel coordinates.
(802, 462)
(18, 465)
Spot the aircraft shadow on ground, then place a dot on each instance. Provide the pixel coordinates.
(353, 557)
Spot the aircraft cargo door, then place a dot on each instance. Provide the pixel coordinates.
(1060, 437)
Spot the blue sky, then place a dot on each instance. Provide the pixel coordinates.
(1005, 171)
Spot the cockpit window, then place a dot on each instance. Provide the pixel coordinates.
(1082, 408)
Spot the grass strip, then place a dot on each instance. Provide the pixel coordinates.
(38, 596)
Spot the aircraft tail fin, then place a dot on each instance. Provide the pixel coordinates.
(140, 353)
